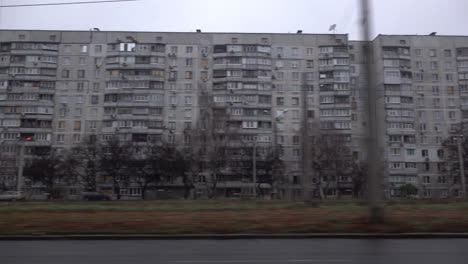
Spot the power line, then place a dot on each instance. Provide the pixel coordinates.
(69, 3)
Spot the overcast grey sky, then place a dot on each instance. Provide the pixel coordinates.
(446, 17)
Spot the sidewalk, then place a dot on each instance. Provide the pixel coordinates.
(236, 236)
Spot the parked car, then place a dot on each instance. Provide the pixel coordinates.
(11, 196)
(95, 196)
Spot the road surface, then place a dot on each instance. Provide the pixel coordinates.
(240, 251)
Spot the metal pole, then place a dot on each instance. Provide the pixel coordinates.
(254, 168)
(20, 166)
(375, 174)
(462, 167)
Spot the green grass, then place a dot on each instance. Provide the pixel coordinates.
(225, 216)
(147, 205)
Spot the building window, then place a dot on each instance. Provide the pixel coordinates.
(66, 61)
(189, 49)
(310, 51)
(67, 48)
(395, 151)
(448, 53)
(450, 90)
(62, 125)
(449, 77)
(433, 53)
(279, 100)
(65, 73)
(94, 99)
(188, 100)
(426, 179)
(423, 140)
(76, 138)
(83, 48)
(295, 51)
(452, 115)
(425, 153)
(188, 75)
(77, 125)
(295, 101)
(81, 74)
(295, 76)
(171, 138)
(60, 138)
(98, 49)
(82, 60)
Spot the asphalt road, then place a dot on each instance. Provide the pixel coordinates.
(245, 251)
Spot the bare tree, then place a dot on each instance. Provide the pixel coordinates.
(50, 170)
(331, 158)
(85, 159)
(114, 162)
(269, 169)
(146, 167)
(358, 176)
(211, 137)
(8, 169)
(450, 154)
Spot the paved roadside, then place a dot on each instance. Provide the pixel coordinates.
(232, 236)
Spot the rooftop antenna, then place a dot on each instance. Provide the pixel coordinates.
(332, 28)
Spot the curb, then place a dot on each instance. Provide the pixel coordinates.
(237, 236)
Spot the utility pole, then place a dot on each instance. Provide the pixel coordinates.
(375, 174)
(20, 166)
(254, 168)
(462, 166)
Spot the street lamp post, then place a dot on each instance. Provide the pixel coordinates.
(20, 166)
(254, 168)
(375, 172)
(462, 165)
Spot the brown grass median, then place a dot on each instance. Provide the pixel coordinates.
(217, 217)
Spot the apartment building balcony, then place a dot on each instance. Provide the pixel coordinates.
(335, 118)
(33, 52)
(131, 104)
(333, 55)
(391, 55)
(30, 77)
(32, 129)
(136, 78)
(327, 80)
(251, 118)
(392, 80)
(399, 93)
(118, 66)
(242, 54)
(335, 92)
(406, 80)
(334, 67)
(462, 56)
(404, 131)
(33, 143)
(22, 89)
(113, 53)
(242, 67)
(407, 119)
